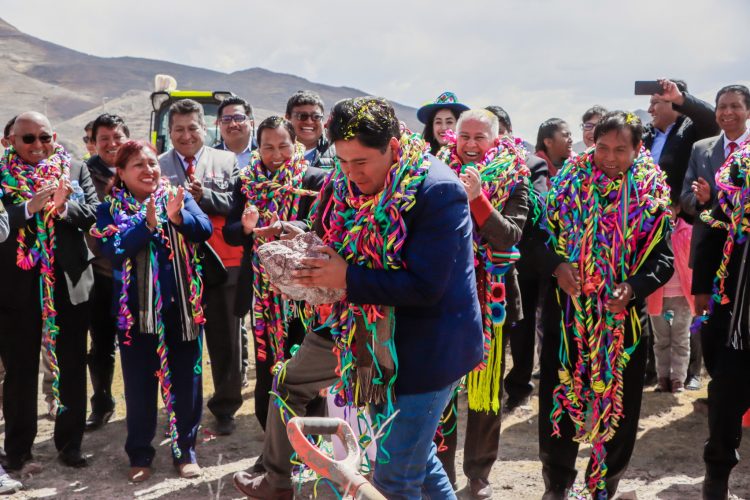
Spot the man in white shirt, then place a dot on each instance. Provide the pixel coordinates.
(236, 126)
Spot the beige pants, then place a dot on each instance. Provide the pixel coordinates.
(672, 338)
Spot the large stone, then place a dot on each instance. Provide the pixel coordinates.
(279, 258)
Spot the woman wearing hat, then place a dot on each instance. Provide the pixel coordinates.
(438, 117)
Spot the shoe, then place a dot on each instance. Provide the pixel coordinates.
(259, 488)
(258, 467)
(513, 403)
(97, 420)
(663, 385)
(715, 488)
(139, 474)
(556, 494)
(225, 425)
(189, 471)
(693, 383)
(8, 484)
(677, 387)
(11, 463)
(480, 488)
(74, 459)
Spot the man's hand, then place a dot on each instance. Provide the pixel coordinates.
(174, 206)
(472, 183)
(40, 198)
(620, 298)
(325, 273)
(701, 303)
(195, 188)
(61, 194)
(249, 219)
(151, 214)
(271, 230)
(290, 231)
(702, 190)
(568, 279)
(670, 92)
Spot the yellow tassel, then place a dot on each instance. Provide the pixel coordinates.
(483, 386)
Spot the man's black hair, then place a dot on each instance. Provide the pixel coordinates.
(502, 116)
(235, 101)
(8, 126)
(740, 89)
(619, 121)
(274, 122)
(304, 98)
(108, 121)
(186, 107)
(593, 111)
(371, 120)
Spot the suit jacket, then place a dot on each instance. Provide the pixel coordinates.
(217, 171)
(706, 158)
(698, 121)
(235, 235)
(438, 333)
(72, 256)
(101, 176)
(4, 227)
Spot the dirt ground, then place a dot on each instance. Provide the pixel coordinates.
(666, 463)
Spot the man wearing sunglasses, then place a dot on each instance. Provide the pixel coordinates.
(305, 110)
(236, 125)
(33, 143)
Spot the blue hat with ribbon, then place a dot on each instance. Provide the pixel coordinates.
(445, 100)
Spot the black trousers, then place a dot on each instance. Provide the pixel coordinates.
(522, 336)
(728, 400)
(101, 357)
(224, 344)
(20, 342)
(558, 454)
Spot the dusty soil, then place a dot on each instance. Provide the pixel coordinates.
(666, 463)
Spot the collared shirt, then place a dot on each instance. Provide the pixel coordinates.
(737, 141)
(243, 157)
(310, 155)
(660, 139)
(197, 157)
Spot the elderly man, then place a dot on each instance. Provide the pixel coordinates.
(209, 174)
(305, 110)
(426, 289)
(46, 249)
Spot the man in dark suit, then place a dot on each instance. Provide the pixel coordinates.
(209, 175)
(21, 327)
(678, 120)
(699, 193)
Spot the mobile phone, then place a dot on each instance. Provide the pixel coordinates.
(648, 87)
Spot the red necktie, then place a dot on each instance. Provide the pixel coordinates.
(732, 148)
(190, 168)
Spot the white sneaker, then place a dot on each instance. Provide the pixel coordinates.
(9, 485)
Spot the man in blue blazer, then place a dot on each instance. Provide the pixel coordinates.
(438, 330)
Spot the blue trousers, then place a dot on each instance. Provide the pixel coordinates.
(412, 470)
(140, 362)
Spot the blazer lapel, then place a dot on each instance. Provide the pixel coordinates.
(203, 164)
(717, 154)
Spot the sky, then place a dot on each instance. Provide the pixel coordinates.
(536, 58)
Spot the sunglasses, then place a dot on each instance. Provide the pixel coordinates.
(31, 138)
(303, 117)
(238, 118)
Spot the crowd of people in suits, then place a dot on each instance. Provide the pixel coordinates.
(452, 246)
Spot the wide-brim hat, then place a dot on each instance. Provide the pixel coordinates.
(445, 100)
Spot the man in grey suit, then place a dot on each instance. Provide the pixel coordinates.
(209, 174)
(699, 193)
(33, 141)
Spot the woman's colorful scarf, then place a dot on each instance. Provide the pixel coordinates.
(733, 187)
(606, 229)
(19, 181)
(278, 192)
(127, 212)
(500, 171)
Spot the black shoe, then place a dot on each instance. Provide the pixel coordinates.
(650, 379)
(513, 403)
(715, 488)
(555, 494)
(258, 467)
(225, 425)
(11, 463)
(74, 459)
(97, 420)
(693, 383)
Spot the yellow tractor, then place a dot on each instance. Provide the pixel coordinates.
(165, 94)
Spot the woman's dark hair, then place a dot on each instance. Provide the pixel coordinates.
(429, 132)
(273, 122)
(740, 89)
(619, 121)
(108, 121)
(371, 120)
(547, 131)
(126, 151)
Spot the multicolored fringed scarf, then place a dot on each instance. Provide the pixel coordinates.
(500, 171)
(606, 229)
(127, 212)
(733, 187)
(19, 181)
(278, 192)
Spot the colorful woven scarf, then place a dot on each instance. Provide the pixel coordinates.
(500, 171)
(19, 181)
(277, 192)
(127, 212)
(606, 229)
(733, 187)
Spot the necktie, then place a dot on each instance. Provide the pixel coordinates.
(732, 148)
(190, 168)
